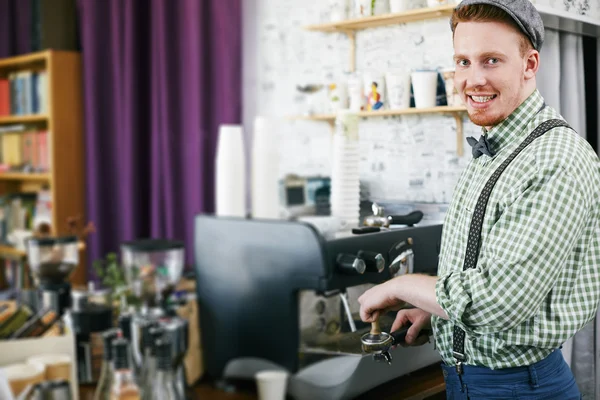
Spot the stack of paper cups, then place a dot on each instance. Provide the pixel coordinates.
(265, 171)
(345, 176)
(230, 168)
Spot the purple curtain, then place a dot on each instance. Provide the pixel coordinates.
(15, 27)
(160, 76)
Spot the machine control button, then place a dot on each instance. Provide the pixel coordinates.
(350, 264)
(374, 261)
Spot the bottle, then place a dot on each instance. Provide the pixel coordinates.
(164, 384)
(105, 382)
(124, 386)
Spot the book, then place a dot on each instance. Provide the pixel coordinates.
(4, 97)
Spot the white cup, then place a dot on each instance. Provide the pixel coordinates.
(436, 3)
(424, 84)
(58, 366)
(397, 6)
(271, 384)
(355, 94)
(338, 96)
(398, 89)
(338, 10)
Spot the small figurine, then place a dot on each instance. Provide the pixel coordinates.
(374, 99)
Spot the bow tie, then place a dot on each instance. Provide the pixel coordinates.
(481, 146)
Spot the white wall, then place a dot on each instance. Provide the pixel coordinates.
(410, 158)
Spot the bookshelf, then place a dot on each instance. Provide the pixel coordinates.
(62, 118)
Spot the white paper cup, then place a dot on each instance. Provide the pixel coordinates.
(355, 93)
(397, 6)
(338, 10)
(398, 89)
(58, 366)
(338, 96)
(436, 3)
(271, 384)
(424, 84)
(19, 376)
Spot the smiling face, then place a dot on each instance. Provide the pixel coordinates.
(493, 74)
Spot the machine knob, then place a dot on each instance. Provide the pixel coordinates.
(374, 261)
(350, 264)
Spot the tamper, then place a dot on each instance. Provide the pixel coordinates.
(379, 343)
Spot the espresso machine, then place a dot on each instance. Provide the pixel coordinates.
(276, 294)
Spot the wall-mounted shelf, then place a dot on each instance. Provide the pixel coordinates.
(457, 113)
(351, 26)
(357, 24)
(553, 18)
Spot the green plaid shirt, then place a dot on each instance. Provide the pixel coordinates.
(537, 280)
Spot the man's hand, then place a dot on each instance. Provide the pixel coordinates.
(420, 320)
(378, 300)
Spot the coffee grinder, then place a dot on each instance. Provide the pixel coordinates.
(153, 267)
(51, 261)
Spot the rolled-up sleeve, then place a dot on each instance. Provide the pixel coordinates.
(520, 259)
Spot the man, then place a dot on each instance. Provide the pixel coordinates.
(535, 276)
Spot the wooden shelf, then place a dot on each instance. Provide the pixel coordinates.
(12, 252)
(456, 111)
(23, 119)
(39, 57)
(358, 24)
(24, 176)
(384, 113)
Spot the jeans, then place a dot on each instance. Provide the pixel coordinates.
(549, 379)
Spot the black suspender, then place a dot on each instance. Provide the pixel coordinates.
(473, 242)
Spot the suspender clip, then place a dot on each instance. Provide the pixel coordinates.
(459, 358)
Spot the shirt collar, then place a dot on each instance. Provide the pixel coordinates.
(513, 127)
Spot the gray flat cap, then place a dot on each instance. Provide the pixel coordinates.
(523, 12)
